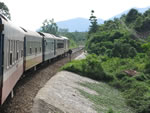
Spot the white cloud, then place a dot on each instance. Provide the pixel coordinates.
(31, 13)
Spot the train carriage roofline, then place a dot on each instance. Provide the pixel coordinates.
(47, 35)
(8, 23)
(64, 37)
(31, 33)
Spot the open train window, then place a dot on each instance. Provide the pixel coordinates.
(17, 50)
(35, 50)
(10, 59)
(60, 45)
(8, 54)
(40, 49)
(30, 50)
(14, 59)
(17, 57)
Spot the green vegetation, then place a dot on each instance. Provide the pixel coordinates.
(49, 26)
(76, 38)
(120, 51)
(93, 21)
(4, 10)
(108, 98)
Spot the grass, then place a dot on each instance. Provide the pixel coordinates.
(107, 98)
(135, 89)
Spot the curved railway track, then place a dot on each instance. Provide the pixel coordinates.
(27, 87)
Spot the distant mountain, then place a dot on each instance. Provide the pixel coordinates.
(76, 24)
(141, 10)
(82, 24)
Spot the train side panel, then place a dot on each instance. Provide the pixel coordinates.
(59, 47)
(48, 46)
(12, 57)
(66, 44)
(33, 50)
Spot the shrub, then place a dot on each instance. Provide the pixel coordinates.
(147, 67)
(89, 67)
(121, 75)
(138, 97)
(110, 110)
(141, 77)
(132, 52)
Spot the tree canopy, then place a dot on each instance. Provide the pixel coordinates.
(49, 26)
(93, 21)
(4, 10)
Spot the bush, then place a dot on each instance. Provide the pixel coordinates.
(89, 67)
(141, 77)
(138, 97)
(147, 68)
(110, 110)
(132, 52)
(121, 75)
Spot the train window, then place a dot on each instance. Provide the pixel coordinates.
(60, 45)
(35, 50)
(10, 59)
(14, 52)
(12, 47)
(16, 49)
(21, 53)
(8, 52)
(17, 57)
(40, 49)
(30, 50)
(20, 49)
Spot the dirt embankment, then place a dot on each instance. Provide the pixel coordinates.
(61, 95)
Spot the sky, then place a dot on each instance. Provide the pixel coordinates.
(31, 13)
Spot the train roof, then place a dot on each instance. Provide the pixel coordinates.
(47, 35)
(7, 24)
(59, 38)
(31, 33)
(64, 37)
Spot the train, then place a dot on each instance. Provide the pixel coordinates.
(22, 50)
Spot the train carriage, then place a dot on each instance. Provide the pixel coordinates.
(21, 50)
(66, 44)
(59, 46)
(49, 51)
(11, 56)
(33, 49)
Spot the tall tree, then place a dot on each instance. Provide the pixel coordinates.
(93, 21)
(4, 10)
(49, 26)
(132, 15)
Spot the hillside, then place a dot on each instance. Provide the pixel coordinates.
(141, 10)
(82, 24)
(119, 52)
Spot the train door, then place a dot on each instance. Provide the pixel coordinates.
(1, 58)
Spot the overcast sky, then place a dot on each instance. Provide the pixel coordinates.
(31, 13)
